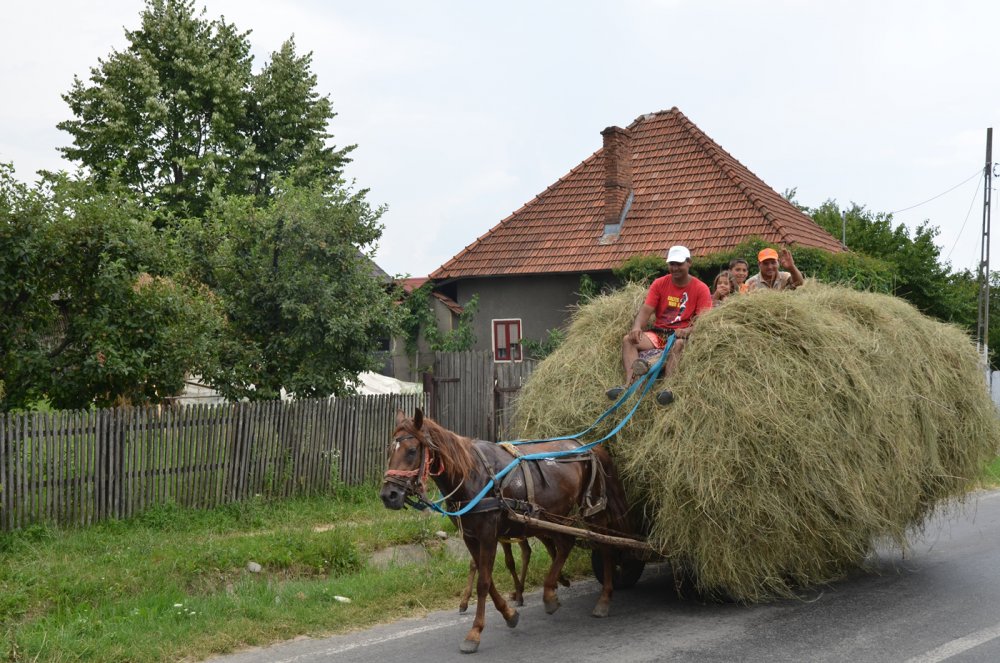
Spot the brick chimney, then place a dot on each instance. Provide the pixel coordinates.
(617, 171)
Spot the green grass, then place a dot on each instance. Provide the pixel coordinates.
(171, 584)
(991, 476)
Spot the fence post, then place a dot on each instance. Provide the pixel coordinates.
(237, 448)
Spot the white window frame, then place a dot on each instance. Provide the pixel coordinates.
(507, 323)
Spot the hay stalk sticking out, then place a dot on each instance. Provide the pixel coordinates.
(808, 425)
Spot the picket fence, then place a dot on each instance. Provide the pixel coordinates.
(78, 468)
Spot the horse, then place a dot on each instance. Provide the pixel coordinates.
(584, 484)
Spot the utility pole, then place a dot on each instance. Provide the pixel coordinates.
(983, 326)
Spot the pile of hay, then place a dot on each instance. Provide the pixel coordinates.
(808, 426)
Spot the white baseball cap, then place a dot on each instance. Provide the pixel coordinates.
(678, 253)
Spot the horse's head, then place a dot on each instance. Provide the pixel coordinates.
(409, 461)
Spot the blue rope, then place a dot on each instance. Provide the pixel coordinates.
(654, 370)
(644, 383)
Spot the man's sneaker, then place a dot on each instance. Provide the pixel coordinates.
(615, 392)
(640, 367)
(665, 397)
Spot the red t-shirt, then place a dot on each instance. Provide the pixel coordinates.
(676, 306)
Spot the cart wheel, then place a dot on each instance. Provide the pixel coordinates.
(627, 569)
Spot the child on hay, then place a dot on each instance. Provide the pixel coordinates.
(723, 287)
(739, 269)
(676, 299)
(770, 277)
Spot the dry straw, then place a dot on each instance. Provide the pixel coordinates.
(808, 426)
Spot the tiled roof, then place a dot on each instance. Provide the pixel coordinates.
(412, 283)
(687, 190)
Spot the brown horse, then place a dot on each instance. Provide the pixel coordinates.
(585, 484)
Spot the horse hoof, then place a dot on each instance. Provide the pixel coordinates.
(551, 606)
(564, 581)
(463, 608)
(469, 646)
(600, 611)
(519, 602)
(512, 622)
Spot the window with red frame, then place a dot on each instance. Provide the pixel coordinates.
(506, 340)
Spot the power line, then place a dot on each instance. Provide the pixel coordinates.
(978, 172)
(974, 196)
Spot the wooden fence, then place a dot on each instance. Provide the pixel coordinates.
(77, 468)
(472, 395)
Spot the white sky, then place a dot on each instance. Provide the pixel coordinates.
(463, 111)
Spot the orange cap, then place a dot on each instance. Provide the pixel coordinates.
(767, 254)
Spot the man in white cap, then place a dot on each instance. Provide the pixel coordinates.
(675, 299)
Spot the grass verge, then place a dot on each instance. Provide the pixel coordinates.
(172, 583)
(991, 477)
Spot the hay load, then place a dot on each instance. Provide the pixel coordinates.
(808, 426)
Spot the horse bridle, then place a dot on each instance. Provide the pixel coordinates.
(413, 482)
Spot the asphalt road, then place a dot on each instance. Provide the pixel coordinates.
(941, 602)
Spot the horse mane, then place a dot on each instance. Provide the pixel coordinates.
(453, 449)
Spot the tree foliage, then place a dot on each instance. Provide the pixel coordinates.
(541, 349)
(106, 317)
(641, 269)
(418, 321)
(920, 276)
(297, 286)
(178, 115)
(211, 232)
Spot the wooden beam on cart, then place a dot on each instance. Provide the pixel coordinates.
(617, 541)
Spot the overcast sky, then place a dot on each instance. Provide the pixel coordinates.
(463, 111)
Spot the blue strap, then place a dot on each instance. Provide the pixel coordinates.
(654, 370)
(644, 383)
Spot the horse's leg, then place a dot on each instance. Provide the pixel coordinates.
(463, 604)
(485, 553)
(508, 558)
(563, 580)
(510, 614)
(563, 545)
(523, 578)
(604, 602)
(477, 550)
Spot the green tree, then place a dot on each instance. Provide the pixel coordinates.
(288, 124)
(106, 317)
(919, 275)
(178, 115)
(296, 282)
(26, 313)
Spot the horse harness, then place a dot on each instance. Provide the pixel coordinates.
(497, 501)
(413, 482)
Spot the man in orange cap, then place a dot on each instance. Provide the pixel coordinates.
(770, 277)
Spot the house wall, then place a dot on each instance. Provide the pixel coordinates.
(540, 302)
